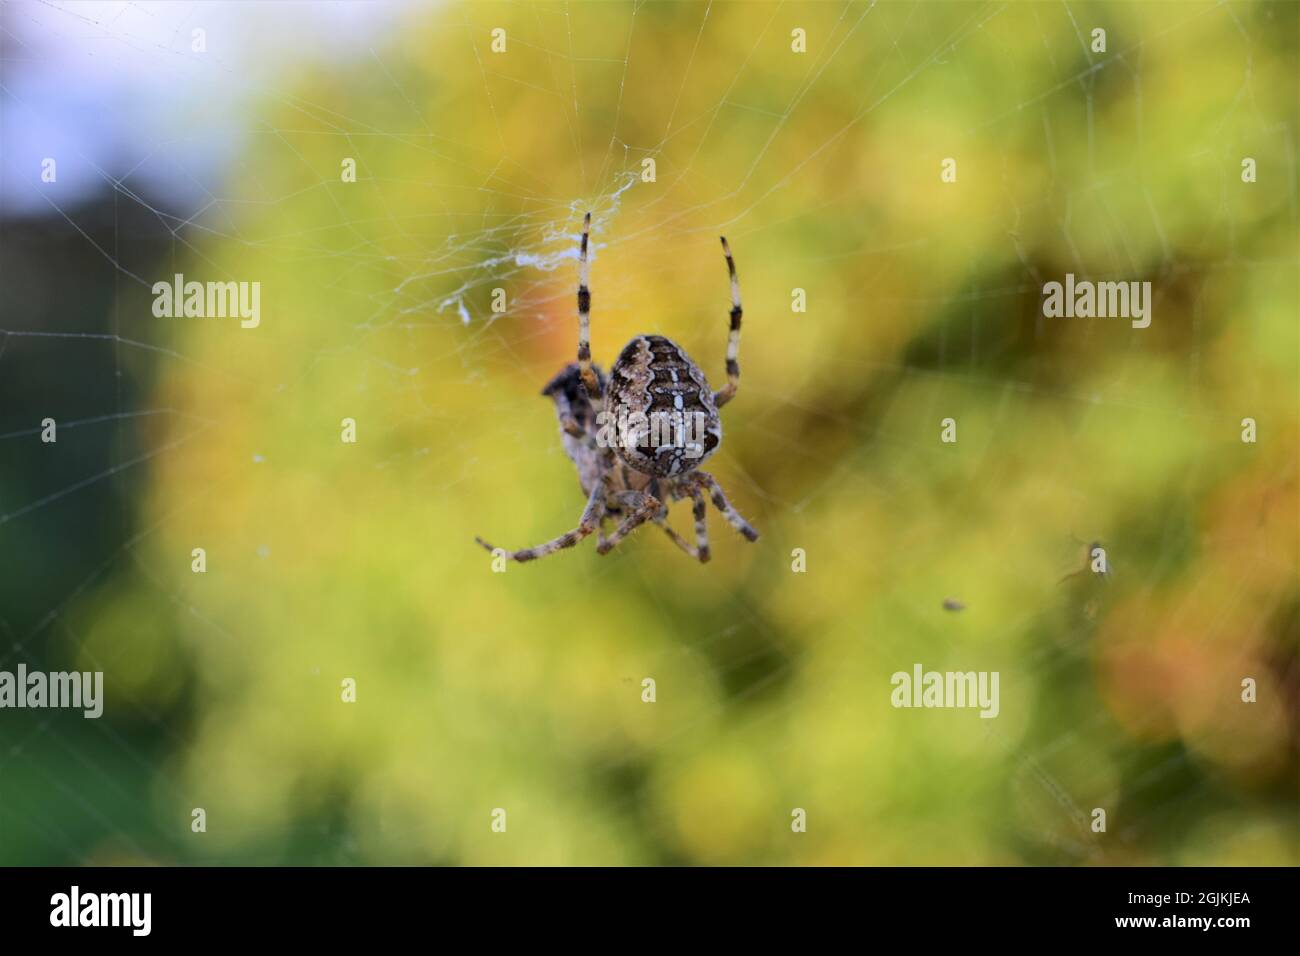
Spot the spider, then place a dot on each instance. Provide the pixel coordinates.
(630, 436)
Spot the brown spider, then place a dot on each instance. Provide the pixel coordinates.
(638, 436)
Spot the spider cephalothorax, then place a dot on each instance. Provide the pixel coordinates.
(638, 436)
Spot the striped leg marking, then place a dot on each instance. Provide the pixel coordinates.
(590, 521)
(643, 513)
(589, 380)
(723, 505)
(700, 550)
(728, 391)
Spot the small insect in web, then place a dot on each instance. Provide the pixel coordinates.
(638, 435)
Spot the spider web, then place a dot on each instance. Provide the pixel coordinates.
(474, 169)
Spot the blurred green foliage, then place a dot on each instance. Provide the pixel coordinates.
(522, 690)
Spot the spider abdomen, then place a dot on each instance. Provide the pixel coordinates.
(661, 407)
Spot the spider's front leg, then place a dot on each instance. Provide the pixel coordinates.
(590, 521)
(728, 391)
(590, 384)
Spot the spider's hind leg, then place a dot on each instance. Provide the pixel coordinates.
(590, 521)
(723, 505)
(700, 550)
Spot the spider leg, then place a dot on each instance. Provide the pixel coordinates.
(701, 527)
(700, 550)
(722, 504)
(627, 502)
(589, 381)
(590, 521)
(646, 510)
(728, 391)
(677, 538)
